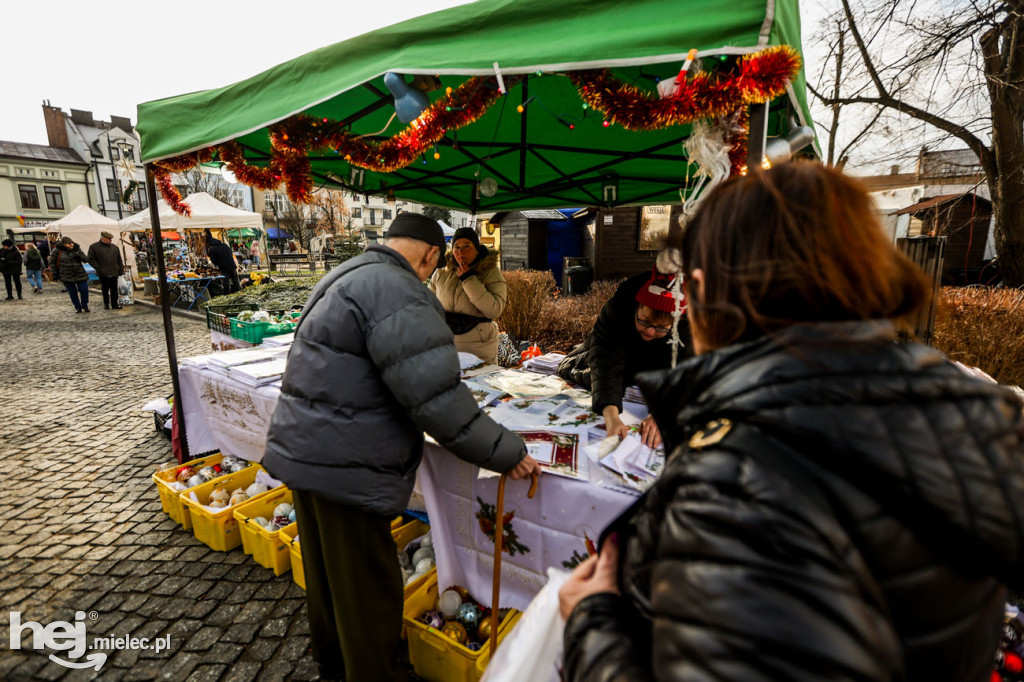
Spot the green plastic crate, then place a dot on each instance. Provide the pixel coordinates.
(255, 332)
(218, 317)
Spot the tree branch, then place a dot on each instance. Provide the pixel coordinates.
(954, 129)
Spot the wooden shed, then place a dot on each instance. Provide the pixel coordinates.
(964, 219)
(524, 238)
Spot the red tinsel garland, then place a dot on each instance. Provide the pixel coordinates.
(170, 192)
(738, 152)
(762, 76)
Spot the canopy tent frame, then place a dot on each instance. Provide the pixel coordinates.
(533, 163)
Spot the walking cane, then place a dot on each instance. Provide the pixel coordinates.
(499, 529)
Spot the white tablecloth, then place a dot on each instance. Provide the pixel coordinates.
(559, 527)
(224, 414)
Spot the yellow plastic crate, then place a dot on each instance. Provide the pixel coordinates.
(170, 499)
(435, 656)
(485, 656)
(265, 546)
(290, 534)
(219, 531)
(403, 535)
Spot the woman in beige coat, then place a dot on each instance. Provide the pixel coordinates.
(472, 290)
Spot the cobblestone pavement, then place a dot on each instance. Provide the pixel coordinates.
(81, 528)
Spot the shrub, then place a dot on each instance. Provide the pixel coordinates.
(528, 292)
(567, 320)
(983, 328)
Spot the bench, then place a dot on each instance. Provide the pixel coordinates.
(299, 259)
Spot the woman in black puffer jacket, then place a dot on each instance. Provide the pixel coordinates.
(836, 506)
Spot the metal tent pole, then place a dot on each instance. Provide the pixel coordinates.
(758, 136)
(165, 307)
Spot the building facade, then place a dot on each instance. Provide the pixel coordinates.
(110, 148)
(39, 184)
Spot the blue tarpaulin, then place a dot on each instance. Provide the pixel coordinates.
(277, 233)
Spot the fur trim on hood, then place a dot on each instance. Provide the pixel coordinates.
(485, 262)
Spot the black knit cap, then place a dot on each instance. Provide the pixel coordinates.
(467, 233)
(417, 226)
(7, 242)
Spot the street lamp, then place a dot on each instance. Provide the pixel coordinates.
(122, 145)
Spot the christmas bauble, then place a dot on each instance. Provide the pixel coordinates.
(433, 619)
(220, 494)
(448, 603)
(291, 516)
(427, 541)
(238, 497)
(261, 521)
(424, 565)
(470, 616)
(421, 554)
(217, 504)
(227, 460)
(208, 473)
(256, 489)
(280, 521)
(185, 473)
(283, 509)
(456, 631)
(474, 646)
(483, 632)
(194, 481)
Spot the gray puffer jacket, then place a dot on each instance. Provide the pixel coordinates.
(372, 367)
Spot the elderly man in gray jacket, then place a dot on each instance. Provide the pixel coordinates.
(372, 367)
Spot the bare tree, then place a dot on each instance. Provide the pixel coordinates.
(195, 180)
(297, 220)
(958, 69)
(330, 211)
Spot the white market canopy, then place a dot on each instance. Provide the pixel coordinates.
(82, 218)
(84, 225)
(207, 212)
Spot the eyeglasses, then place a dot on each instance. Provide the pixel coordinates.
(661, 331)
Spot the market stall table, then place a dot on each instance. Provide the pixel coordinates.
(190, 290)
(558, 528)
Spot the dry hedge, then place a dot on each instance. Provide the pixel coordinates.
(980, 327)
(983, 328)
(536, 311)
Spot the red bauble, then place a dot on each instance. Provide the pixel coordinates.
(1013, 663)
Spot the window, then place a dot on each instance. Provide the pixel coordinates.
(29, 196)
(357, 213)
(129, 153)
(112, 190)
(139, 199)
(54, 199)
(387, 214)
(115, 155)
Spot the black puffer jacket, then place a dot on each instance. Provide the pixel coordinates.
(373, 366)
(10, 261)
(609, 360)
(220, 255)
(67, 263)
(856, 520)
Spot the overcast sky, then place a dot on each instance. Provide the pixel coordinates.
(108, 57)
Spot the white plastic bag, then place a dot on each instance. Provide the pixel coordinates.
(533, 650)
(124, 291)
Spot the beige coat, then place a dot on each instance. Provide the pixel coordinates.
(482, 295)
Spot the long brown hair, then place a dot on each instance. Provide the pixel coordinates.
(795, 244)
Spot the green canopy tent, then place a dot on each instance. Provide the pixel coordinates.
(555, 136)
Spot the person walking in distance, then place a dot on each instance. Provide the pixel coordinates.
(10, 263)
(67, 263)
(105, 257)
(34, 268)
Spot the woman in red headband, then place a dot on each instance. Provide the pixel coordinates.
(632, 334)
